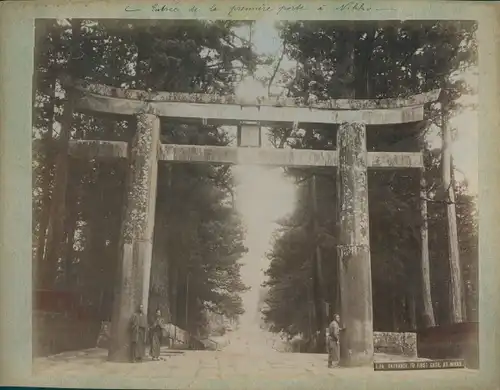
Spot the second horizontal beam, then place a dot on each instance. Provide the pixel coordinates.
(243, 156)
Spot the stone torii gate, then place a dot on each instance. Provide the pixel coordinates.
(351, 159)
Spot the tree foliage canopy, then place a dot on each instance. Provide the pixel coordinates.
(374, 60)
(199, 236)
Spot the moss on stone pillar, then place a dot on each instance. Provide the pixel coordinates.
(137, 234)
(354, 247)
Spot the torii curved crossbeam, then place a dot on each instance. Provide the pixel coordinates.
(225, 109)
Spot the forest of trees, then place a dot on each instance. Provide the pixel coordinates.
(199, 238)
(374, 60)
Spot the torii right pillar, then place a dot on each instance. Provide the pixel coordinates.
(356, 312)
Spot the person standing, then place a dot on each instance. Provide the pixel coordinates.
(334, 342)
(139, 327)
(156, 332)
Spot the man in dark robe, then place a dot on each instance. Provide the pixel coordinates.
(139, 327)
(156, 332)
(334, 342)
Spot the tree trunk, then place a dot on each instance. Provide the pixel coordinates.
(349, 75)
(428, 311)
(48, 164)
(111, 266)
(141, 74)
(40, 268)
(57, 209)
(363, 50)
(451, 219)
(412, 311)
(160, 296)
(186, 304)
(174, 272)
(97, 238)
(462, 280)
(69, 251)
(58, 205)
(311, 313)
(318, 272)
(394, 311)
(70, 229)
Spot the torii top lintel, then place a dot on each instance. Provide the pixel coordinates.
(225, 109)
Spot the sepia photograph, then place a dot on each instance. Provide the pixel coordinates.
(291, 201)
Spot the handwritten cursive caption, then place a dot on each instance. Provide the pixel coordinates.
(176, 7)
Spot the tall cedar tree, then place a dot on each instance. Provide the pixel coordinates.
(373, 60)
(198, 232)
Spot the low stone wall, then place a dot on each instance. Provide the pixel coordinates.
(279, 343)
(395, 343)
(176, 334)
(180, 339)
(173, 337)
(221, 341)
(455, 341)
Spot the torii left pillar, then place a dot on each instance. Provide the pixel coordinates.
(136, 242)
